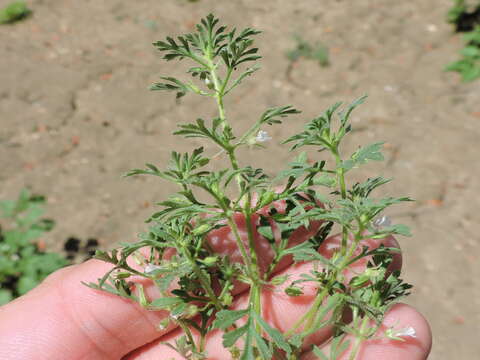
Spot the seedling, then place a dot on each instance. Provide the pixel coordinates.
(304, 49)
(239, 237)
(464, 17)
(13, 12)
(469, 65)
(23, 264)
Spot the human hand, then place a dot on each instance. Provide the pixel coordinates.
(61, 319)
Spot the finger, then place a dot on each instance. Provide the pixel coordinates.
(399, 317)
(223, 240)
(278, 309)
(63, 319)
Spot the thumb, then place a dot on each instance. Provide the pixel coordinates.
(62, 319)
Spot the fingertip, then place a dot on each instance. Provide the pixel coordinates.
(413, 347)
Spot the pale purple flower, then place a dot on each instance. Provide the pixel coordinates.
(150, 268)
(262, 136)
(382, 221)
(409, 331)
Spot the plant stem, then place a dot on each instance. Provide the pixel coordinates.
(255, 292)
(343, 191)
(311, 312)
(240, 244)
(203, 280)
(219, 89)
(187, 332)
(218, 92)
(359, 339)
(309, 316)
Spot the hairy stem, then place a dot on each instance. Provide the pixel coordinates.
(204, 281)
(343, 191)
(255, 292)
(358, 339)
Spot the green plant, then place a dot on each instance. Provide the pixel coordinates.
(13, 12)
(469, 65)
(304, 49)
(272, 220)
(22, 264)
(464, 15)
(456, 11)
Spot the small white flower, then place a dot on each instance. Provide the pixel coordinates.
(207, 81)
(409, 331)
(382, 221)
(262, 136)
(393, 334)
(150, 268)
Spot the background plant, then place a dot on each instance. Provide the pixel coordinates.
(304, 49)
(22, 264)
(465, 16)
(317, 196)
(469, 65)
(466, 19)
(13, 12)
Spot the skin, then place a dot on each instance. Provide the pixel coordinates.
(62, 319)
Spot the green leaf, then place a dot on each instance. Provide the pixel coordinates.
(338, 346)
(25, 284)
(293, 291)
(306, 252)
(5, 296)
(226, 318)
(363, 155)
(178, 86)
(165, 303)
(319, 353)
(248, 72)
(363, 190)
(263, 348)
(397, 229)
(345, 115)
(200, 130)
(274, 115)
(470, 51)
(231, 337)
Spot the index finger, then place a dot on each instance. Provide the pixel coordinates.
(62, 319)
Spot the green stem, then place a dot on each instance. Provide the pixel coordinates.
(310, 313)
(233, 159)
(218, 92)
(251, 241)
(187, 332)
(203, 339)
(204, 281)
(255, 291)
(240, 244)
(359, 339)
(249, 132)
(343, 191)
(351, 250)
(225, 82)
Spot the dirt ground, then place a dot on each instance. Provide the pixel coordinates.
(75, 114)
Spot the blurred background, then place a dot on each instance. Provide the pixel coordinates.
(76, 113)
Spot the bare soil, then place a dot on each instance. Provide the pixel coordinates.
(75, 114)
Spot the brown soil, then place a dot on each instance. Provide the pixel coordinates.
(76, 114)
